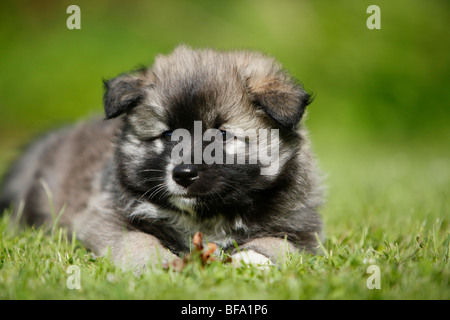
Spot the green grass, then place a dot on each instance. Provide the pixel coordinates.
(379, 124)
(394, 216)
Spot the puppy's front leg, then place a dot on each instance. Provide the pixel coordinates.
(136, 250)
(129, 248)
(263, 252)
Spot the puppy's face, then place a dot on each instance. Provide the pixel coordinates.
(196, 127)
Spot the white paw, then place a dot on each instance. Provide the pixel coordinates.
(250, 257)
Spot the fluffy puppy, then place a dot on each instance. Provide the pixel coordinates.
(141, 181)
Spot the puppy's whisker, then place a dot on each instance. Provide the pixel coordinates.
(164, 194)
(154, 193)
(150, 190)
(230, 186)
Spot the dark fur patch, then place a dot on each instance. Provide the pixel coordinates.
(122, 94)
(285, 102)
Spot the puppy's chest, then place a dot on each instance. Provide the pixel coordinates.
(177, 227)
(217, 230)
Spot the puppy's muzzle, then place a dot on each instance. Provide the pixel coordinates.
(185, 174)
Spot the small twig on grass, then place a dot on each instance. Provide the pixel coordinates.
(199, 253)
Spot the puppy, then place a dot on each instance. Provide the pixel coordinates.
(184, 148)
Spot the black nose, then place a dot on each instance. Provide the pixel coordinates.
(185, 174)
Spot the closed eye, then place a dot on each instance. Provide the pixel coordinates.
(226, 135)
(167, 135)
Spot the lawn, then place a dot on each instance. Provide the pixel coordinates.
(379, 125)
(387, 212)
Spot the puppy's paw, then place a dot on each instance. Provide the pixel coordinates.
(251, 258)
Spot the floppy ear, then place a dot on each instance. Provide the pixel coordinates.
(282, 99)
(122, 94)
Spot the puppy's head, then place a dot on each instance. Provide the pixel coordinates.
(193, 126)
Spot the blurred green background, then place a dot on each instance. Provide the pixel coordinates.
(381, 113)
